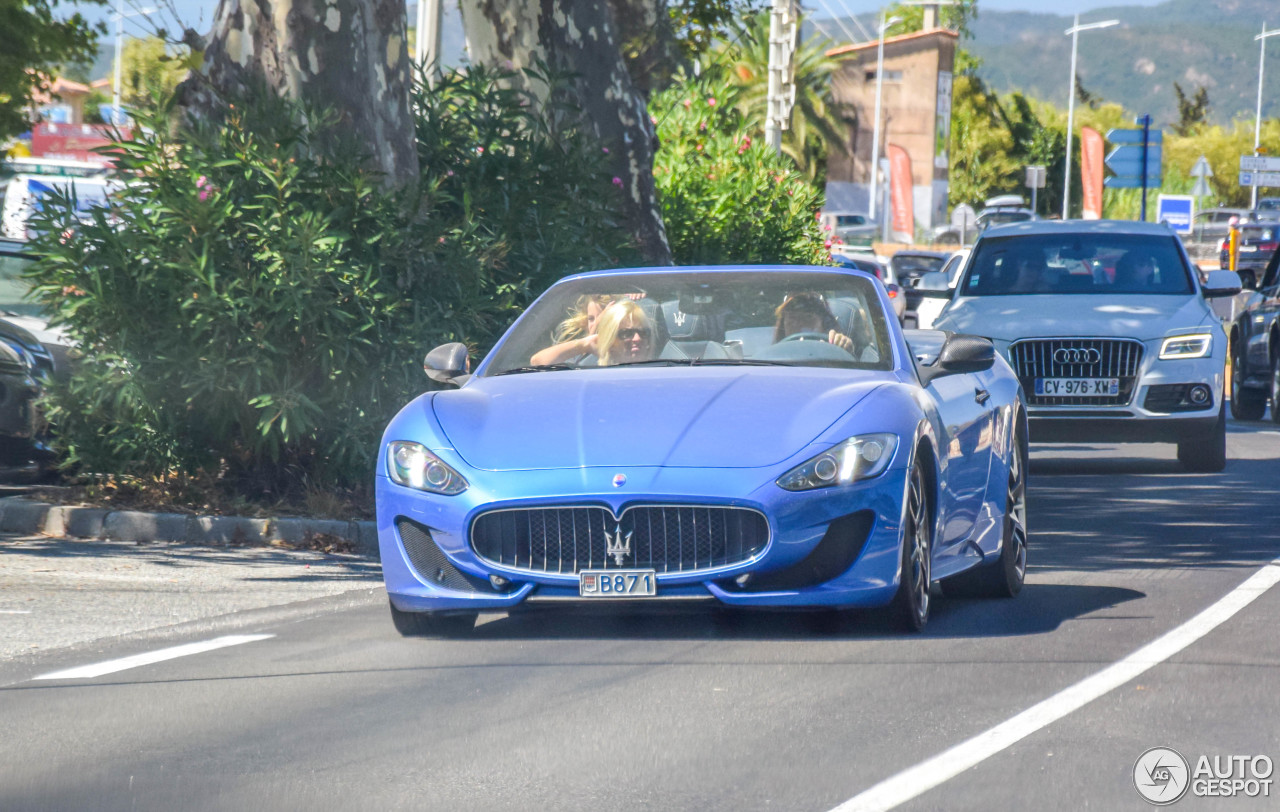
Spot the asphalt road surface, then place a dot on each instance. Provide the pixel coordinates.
(1042, 702)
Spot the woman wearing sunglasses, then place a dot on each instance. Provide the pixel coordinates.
(624, 334)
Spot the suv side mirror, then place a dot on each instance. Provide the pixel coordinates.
(1221, 283)
(447, 363)
(962, 353)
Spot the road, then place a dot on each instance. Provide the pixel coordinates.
(696, 709)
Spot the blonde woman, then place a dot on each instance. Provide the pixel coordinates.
(624, 334)
(576, 335)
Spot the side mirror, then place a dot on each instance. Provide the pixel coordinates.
(962, 353)
(446, 363)
(1221, 283)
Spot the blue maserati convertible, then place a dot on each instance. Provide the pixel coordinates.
(764, 436)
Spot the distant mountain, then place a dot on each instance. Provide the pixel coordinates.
(1195, 43)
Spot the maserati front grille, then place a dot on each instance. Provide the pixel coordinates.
(665, 538)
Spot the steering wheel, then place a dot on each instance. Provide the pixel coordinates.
(806, 337)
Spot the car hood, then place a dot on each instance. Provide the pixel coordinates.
(706, 418)
(1008, 318)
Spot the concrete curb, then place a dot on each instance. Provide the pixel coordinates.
(19, 515)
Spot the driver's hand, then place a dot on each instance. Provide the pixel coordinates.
(841, 340)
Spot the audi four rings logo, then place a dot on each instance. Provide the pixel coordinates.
(1074, 355)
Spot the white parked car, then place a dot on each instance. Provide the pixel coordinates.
(1107, 326)
(928, 308)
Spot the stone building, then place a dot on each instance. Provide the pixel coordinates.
(915, 113)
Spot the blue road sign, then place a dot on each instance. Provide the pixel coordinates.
(1134, 136)
(1123, 183)
(1176, 210)
(1127, 161)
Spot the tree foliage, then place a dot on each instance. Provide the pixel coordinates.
(1193, 111)
(726, 197)
(254, 310)
(34, 40)
(817, 121)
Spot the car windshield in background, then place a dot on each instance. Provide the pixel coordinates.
(907, 266)
(1076, 263)
(700, 318)
(850, 220)
(13, 288)
(997, 218)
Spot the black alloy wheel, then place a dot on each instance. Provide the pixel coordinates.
(1207, 455)
(1005, 577)
(910, 606)
(1246, 403)
(432, 624)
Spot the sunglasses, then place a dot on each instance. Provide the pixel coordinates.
(628, 333)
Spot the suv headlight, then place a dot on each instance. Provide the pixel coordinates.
(412, 465)
(857, 458)
(1188, 346)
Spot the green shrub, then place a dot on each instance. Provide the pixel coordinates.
(726, 197)
(253, 312)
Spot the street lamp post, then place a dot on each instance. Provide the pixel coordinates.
(119, 71)
(1074, 31)
(1257, 121)
(875, 131)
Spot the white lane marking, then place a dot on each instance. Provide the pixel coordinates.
(124, 663)
(15, 611)
(928, 774)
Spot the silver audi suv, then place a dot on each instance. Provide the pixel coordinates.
(1107, 326)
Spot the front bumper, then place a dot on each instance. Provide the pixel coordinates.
(830, 547)
(1156, 412)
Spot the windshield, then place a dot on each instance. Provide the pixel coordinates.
(13, 288)
(700, 318)
(1106, 264)
(996, 218)
(909, 266)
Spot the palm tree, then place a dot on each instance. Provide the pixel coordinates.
(817, 121)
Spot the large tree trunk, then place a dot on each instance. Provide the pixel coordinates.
(346, 55)
(583, 37)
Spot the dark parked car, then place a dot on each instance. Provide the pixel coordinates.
(1211, 225)
(30, 354)
(1258, 243)
(1255, 349)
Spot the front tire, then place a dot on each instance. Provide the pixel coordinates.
(910, 606)
(1208, 455)
(1246, 404)
(432, 624)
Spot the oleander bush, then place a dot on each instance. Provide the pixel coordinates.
(251, 309)
(726, 197)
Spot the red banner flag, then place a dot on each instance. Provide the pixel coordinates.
(900, 187)
(1091, 149)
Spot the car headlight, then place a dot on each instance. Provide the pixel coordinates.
(412, 465)
(1189, 346)
(857, 458)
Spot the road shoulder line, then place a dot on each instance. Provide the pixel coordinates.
(926, 775)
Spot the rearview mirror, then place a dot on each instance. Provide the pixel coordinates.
(446, 363)
(1221, 283)
(962, 353)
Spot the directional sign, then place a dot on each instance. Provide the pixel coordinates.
(1259, 163)
(1124, 183)
(1127, 160)
(1202, 169)
(1260, 178)
(1134, 136)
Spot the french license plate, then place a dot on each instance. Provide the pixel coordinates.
(1078, 387)
(1248, 249)
(617, 583)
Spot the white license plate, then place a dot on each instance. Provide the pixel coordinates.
(1248, 249)
(617, 583)
(1078, 387)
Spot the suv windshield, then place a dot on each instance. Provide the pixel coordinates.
(697, 318)
(1078, 264)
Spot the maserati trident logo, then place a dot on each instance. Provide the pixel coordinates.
(617, 545)
(1076, 355)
